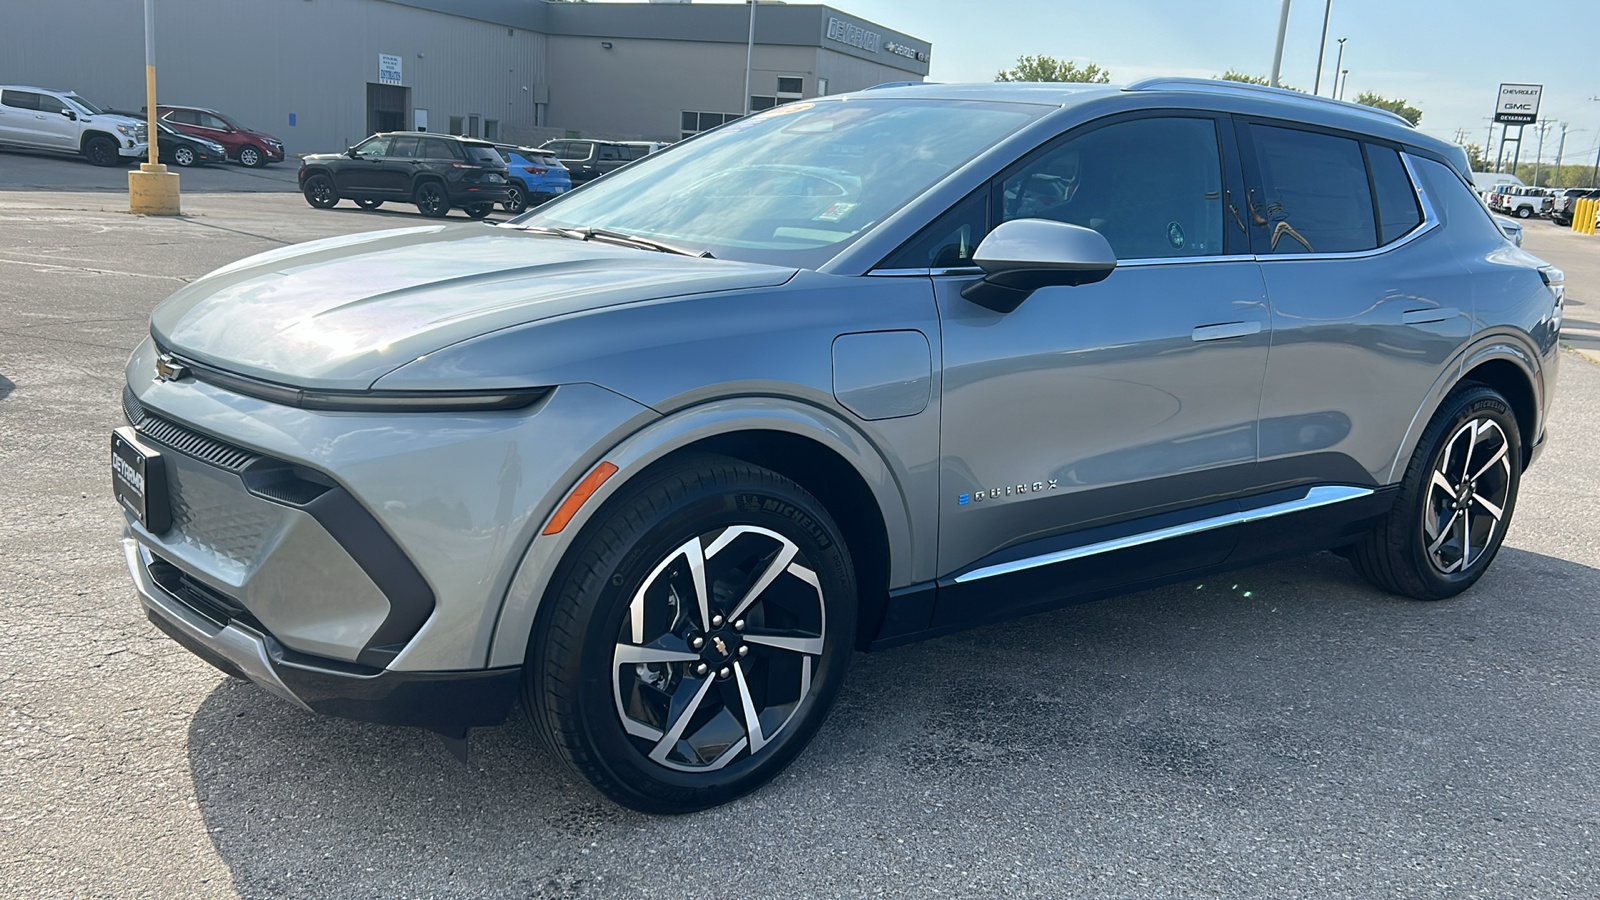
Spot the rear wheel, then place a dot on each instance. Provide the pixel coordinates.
(369, 204)
(1523, 212)
(695, 638)
(102, 151)
(478, 210)
(432, 201)
(516, 198)
(1455, 501)
(320, 192)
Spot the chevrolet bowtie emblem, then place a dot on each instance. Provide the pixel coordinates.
(169, 369)
(721, 647)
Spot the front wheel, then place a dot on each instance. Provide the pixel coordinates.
(251, 157)
(1455, 501)
(432, 201)
(695, 636)
(183, 156)
(102, 151)
(320, 192)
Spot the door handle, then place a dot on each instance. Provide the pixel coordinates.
(1224, 331)
(1425, 316)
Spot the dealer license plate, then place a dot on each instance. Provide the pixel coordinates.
(139, 480)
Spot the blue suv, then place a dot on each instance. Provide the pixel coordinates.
(536, 176)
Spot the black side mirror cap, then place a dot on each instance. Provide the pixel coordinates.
(1023, 255)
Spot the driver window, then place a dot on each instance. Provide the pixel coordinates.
(374, 148)
(1152, 186)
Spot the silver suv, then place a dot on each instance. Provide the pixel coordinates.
(659, 456)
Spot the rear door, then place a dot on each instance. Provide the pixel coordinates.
(18, 117)
(1368, 301)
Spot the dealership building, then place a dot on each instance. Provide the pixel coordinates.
(322, 74)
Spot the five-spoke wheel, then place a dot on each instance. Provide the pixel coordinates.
(695, 637)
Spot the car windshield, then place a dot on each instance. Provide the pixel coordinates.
(85, 106)
(793, 185)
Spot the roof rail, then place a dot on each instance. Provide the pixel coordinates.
(1217, 85)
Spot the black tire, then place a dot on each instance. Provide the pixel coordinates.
(102, 151)
(637, 553)
(252, 157)
(369, 204)
(1523, 212)
(1440, 537)
(477, 210)
(183, 156)
(516, 198)
(431, 200)
(320, 192)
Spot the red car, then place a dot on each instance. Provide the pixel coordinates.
(251, 148)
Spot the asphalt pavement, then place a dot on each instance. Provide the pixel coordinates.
(1283, 731)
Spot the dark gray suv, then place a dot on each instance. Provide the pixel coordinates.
(658, 457)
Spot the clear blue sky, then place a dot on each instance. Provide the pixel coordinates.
(1446, 57)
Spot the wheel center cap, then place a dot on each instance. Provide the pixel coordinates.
(720, 647)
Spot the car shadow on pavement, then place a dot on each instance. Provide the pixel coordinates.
(1285, 697)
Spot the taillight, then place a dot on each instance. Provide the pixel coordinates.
(534, 170)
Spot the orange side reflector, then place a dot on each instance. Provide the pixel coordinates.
(580, 495)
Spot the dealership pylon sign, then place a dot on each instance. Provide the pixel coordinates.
(1518, 104)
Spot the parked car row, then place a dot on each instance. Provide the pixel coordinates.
(442, 172)
(1564, 202)
(61, 121)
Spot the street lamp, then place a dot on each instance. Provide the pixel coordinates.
(1344, 79)
(749, 56)
(1336, 64)
(1322, 45)
(1277, 51)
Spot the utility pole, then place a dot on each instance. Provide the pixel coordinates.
(749, 56)
(1559, 148)
(1322, 46)
(1488, 142)
(1544, 125)
(1277, 52)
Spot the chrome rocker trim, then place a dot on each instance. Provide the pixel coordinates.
(1325, 495)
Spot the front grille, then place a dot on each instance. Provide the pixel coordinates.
(182, 439)
(214, 605)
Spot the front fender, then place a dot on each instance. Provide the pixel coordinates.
(677, 431)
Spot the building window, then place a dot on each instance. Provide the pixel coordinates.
(472, 126)
(695, 122)
(458, 125)
(757, 104)
(789, 85)
(491, 129)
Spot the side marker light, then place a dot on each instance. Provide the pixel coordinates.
(580, 495)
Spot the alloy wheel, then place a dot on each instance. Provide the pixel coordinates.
(718, 648)
(183, 156)
(250, 156)
(1467, 495)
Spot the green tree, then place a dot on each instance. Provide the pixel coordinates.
(1475, 158)
(1048, 68)
(1398, 107)
(1232, 75)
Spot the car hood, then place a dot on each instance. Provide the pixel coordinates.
(340, 313)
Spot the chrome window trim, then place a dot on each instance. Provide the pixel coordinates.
(1176, 260)
(1322, 495)
(1430, 221)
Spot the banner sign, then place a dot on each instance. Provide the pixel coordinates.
(1519, 104)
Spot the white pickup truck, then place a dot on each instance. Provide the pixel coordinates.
(1523, 201)
(41, 119)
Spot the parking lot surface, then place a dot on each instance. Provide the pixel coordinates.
(1282, 731)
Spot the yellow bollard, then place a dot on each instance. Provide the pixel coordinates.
(1583, 216)
(153, 191)
(1578, 210)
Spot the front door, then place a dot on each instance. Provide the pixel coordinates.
(58, 123)
(1109, 405)
(363, 176)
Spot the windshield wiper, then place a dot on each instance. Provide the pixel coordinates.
(617, 237)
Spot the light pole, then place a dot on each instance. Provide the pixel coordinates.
(1277, 52)
(1339, 61)
(152, 191)
(1344, 79)
(749, 56)
(1323, 45)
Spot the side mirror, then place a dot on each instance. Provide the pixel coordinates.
(1023, 255)
(71, 114)
(350, 152)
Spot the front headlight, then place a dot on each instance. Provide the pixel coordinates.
(215, 147)
(128, 130)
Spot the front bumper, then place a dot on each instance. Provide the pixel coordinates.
(445, 702)
(131, 149)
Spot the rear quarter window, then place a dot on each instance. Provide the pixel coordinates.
(485, 155)
(1398, 212)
